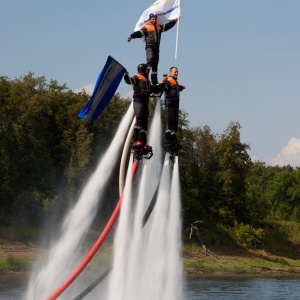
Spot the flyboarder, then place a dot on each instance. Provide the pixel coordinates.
(142, 88)
(152, 34)
(171, 88)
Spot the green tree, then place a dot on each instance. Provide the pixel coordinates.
(214, 170)
(234, 163)
(198, 166)
(283, 194)
(257, 182)
(47, 152)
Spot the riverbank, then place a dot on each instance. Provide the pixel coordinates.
(17, 258)
(228, 262)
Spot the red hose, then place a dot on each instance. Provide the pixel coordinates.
(96, 246)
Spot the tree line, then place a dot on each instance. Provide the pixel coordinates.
(47, 154)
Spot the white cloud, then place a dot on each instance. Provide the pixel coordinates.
(289, 155)
(89, 88)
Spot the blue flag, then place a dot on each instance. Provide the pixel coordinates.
(106, 86)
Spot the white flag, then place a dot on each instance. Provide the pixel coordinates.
(166, 11)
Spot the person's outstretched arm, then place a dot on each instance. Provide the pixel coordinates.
(169, 25)
(137, 34)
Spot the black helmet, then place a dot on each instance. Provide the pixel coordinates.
(142, 68)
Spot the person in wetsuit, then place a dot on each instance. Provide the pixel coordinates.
(172, 89)
(142, 88)
(152, 34)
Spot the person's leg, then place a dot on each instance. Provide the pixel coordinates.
(141, 114)
(170, 118)
(172, 125)
(175, 119)
(137, 127)
(168, 131)
(149, 58)
(144, 123)
(155, 60)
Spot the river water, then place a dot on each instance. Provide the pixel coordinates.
(244, 287)
(213, 288)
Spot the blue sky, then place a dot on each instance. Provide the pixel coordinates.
(239, 59)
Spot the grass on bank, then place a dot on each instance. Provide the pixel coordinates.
(15, 264)
(237, 262)
(16, 238)
(242, 249)
(268, 247)
(24, 234)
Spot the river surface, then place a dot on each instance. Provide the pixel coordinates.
(244, 287)
(213, 288)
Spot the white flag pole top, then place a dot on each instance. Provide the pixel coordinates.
(166, 11)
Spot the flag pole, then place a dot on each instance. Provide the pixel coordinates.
(176, 39)
(176, 46)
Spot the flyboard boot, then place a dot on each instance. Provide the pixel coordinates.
(135, 136)
(140, 149)
(173, 146)
(154, 80)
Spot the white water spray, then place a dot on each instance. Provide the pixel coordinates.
(149, 182)
(122, 235)
(173, 288)
(153, 280)
(151, 266)
(61, 260)
(147, 263)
